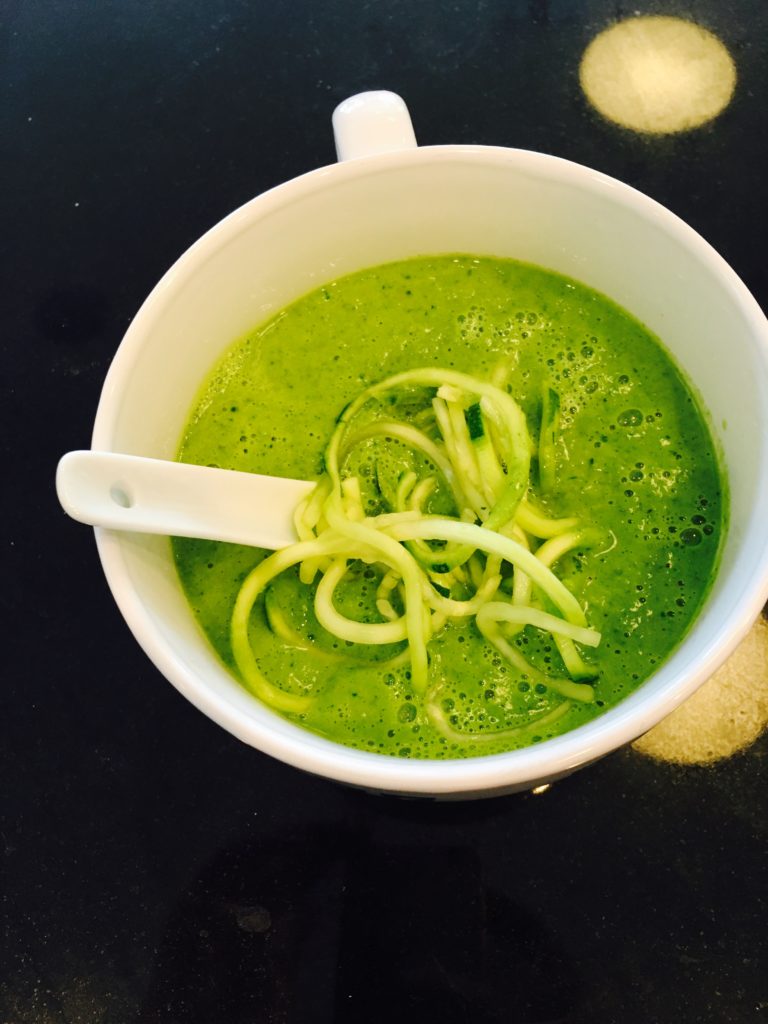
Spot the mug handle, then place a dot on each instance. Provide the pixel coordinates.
(370, 123)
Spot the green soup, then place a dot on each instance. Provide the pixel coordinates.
(631, 457)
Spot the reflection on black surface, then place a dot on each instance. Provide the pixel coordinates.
(658, 74)
(325, 926)
(722, 718)
(424, 938)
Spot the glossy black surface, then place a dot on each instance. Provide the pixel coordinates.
(154, 868)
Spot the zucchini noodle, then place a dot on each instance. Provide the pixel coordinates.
(453, 536)
(348, 629)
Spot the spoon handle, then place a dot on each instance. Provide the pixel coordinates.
(129, 492)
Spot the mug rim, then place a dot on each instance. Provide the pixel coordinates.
(476, 775)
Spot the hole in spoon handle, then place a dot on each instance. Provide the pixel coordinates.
(120, 495)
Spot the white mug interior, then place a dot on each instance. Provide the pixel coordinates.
(418, 201)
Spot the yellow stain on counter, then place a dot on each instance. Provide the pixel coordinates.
(657, 74)
(726, 715)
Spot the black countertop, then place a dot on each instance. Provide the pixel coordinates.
(153, 867)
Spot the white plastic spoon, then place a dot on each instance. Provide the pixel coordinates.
(128, 492)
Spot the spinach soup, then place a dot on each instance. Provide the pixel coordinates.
(518, 512)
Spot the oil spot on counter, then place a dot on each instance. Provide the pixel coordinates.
(724, 716)
(657, 74)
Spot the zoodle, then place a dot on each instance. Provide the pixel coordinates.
(490, 559)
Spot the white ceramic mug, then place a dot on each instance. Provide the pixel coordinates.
(388, 199)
